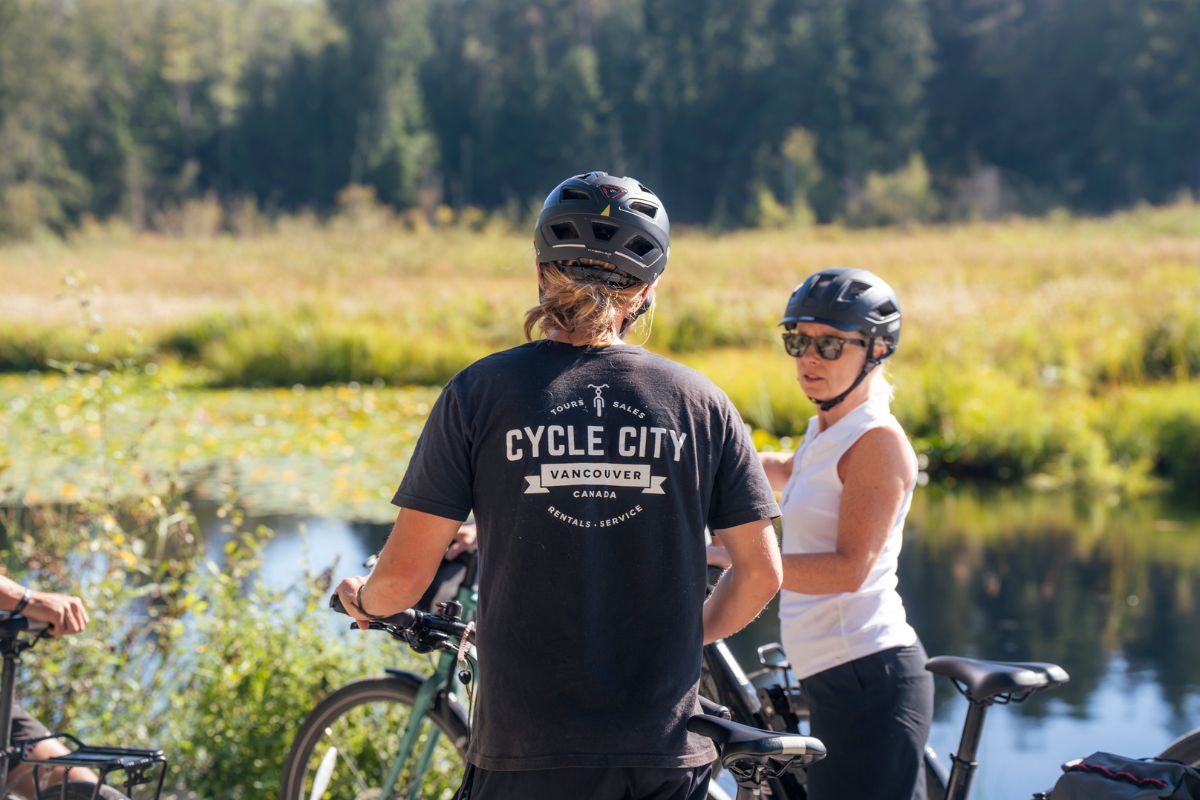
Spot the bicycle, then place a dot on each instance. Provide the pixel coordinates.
(138, 766)
(779, 706)
(753, 756)
(402, 735)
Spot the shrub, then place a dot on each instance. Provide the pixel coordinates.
(894, 198)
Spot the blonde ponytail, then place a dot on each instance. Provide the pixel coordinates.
(589, 310)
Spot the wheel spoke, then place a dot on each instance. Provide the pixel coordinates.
(324, 773)
(350, 742)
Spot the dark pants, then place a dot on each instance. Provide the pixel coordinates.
(873, 716)
(616, 783)
(24, 727)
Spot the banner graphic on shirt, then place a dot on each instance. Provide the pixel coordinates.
(595, 474)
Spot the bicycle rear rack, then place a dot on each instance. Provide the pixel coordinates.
(138, 766)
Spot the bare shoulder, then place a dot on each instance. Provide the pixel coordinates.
(879, 453)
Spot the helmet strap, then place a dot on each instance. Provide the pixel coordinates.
(871, 363)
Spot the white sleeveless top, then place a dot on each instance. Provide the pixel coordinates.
(820, 631)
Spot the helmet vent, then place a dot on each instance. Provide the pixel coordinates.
(884, 310)
(603, 231)
(640, 245)
(822, 282)
(644, 208)
(575, 193)
(853, 291)
(564, 230)
(644, 189)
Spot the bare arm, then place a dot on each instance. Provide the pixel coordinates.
(464, 540)
(748, 585)
(778, 467)
(876, 472)
(405, 568)
(65, 614)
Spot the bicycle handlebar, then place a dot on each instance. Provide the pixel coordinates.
(19, 623)
(404, 620)
(420, 629)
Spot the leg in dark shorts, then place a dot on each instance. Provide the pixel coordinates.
(618, 783)
(873, 716)
(25, 727)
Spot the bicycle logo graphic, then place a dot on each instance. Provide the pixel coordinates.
(598, 400)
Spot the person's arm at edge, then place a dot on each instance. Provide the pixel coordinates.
(778, 468)
(749, 584)
(876, 472)
(405, 567)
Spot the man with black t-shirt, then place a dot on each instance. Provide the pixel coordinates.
(592, 468)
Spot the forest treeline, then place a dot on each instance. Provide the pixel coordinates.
(750, 113)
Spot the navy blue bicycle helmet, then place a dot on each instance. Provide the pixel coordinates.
(601, 217)
(852, 300)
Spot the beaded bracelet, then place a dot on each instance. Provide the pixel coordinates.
(358, 603)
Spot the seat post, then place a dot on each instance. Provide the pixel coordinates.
(963, 762)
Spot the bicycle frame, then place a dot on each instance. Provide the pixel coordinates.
(735, 690)
(10, 649)
(430, 689)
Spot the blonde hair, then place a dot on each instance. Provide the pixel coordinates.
(880, 384)
(590, 309)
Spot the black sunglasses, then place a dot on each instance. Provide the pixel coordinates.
(828, 347)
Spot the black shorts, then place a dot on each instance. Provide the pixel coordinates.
(607, 783)
(25, 727)
(873, 715)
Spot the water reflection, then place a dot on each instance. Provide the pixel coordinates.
(1108, 591)
(1013, 578)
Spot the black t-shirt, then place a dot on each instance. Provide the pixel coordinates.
(592, 472)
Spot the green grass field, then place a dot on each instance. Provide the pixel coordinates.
(1058, 351)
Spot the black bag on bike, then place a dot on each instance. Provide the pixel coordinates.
(1104, 776)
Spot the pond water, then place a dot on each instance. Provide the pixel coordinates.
(1110, 592)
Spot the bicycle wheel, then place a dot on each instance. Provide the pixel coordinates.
(1186, 749)
(80, 790)
(350, 742)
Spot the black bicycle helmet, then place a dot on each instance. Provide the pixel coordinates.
(850, 300)
(598, 216)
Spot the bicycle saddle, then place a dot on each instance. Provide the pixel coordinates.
(740, 743)
(997, 681)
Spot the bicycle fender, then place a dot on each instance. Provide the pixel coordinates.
(415, 680)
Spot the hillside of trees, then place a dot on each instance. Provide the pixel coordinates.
(750, 113)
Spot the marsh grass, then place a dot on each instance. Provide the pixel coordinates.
(1026, 345)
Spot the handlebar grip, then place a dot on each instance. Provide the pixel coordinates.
(335, 602)
(405, 619)
(19, 623)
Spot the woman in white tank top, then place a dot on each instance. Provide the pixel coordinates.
(845, 494)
